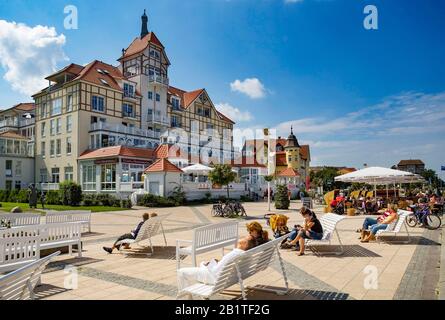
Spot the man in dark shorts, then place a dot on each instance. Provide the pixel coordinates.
(132, 235)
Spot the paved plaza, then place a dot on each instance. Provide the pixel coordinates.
(405, 271)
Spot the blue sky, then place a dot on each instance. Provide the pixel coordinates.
(357, 96)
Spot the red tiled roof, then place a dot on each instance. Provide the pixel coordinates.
(167, 151)
(29, 106)
(116, 151)
(91, 74)
(280, 159)
(12, 135)
(189, 97)
(138, 45)
(288, 172)
(225, 117)
(163, 165)
(72, 68)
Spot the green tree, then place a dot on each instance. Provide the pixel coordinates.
(325, 177)
(432, 178)
(282, 197)
(222, 175)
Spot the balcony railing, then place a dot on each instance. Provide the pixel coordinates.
(98, 126)
(16, 123)
(158, 79)
(165, 121)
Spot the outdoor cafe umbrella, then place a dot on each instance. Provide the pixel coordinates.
(197, 169)
(379, 176)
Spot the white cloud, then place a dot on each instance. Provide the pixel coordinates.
(251, 87)
(234, 113)
(29, 54)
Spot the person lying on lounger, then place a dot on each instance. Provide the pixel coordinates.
(371, 225)
(132, 235)
(207, 272)
(256, 231)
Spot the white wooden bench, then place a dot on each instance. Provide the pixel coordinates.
(19, 246)
(208, 238)
(242, 267)
(20, 284)
(396, 227)
(70, 216)
(58, 235)
(329, 223)
(21, 219)
(149, 229)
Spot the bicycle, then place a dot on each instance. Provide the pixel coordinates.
(424, 216)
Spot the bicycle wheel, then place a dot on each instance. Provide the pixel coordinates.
(227, 212)
(433, 222)
(411, 220)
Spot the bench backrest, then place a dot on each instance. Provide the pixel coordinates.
(19, 284)
(329, 222)
(215, 233)
(19, 244)
(55, 232)
(68, 216)
(21, 219)
(247, 264)
(150, 228)
(397, 225)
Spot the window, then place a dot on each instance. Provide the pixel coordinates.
(52, 128)
(127, 110)
(18, 185)
(8, 184)
(56, 107)
(69, 103)
(108, 177)
(58, 125)
(55, 175)
(69, 123)
(18, 169)
(58, 147)
(97, 104)
(43, 147)
(43, 176)
(68, 145)
(175, 103)
(207, 112)
(128, 90)
(52, 148)
(69, 174)
(42, 129)
(8, 171)
(43, 110)
(89, 177)
(150, 95)
(158, 97)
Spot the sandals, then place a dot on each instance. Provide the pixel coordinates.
(300, 254)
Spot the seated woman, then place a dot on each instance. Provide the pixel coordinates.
(371, 225)
(256, 231)
(207, 272)
(312, 229)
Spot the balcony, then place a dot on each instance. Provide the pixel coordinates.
(158, 119)
(153, 78)
(15, 123)
(118, 128)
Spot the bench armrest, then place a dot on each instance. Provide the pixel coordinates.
(178, 242)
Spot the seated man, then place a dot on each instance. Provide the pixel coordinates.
(208, 272)
(132, 235)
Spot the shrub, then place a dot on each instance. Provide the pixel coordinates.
(89, 200)
(104, 199)
(52, 197)
(23, 196)
(150, 200)
(13, 195)
(4, 195)
(70, 193)
(177, 196)
(126, 204)
(282, 197)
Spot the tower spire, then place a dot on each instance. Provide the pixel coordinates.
(144, 29)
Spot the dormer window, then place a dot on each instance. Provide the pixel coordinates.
(175, 103)
(102, 71)
(104, 82)
(128, 90)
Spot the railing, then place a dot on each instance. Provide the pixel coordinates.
(123, 129)
(49, 186)
(16, 123)
(159, 119)
(131, 115)
(158, 79)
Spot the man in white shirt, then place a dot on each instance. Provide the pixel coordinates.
(208, 272)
